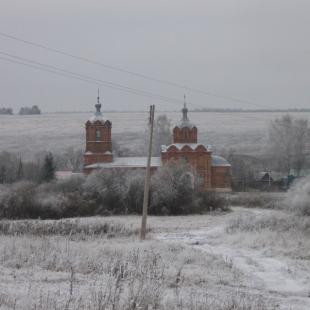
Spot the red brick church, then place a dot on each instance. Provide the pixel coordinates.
(214, 172)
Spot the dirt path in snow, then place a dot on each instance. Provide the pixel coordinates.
(274, 277)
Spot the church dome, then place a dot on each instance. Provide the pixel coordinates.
(219, 161)
(98, 115)
(185, 122)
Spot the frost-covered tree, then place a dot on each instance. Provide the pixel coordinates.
(162, 133)
(8, 167)
(71, 160)
(49, 168)
(117, 190)
(287, 142)
(172, 189)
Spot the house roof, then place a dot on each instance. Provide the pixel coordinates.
(128, 162)
(60, 175)
(274, 176)
(261, 175)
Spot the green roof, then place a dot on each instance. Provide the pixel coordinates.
(219, 161)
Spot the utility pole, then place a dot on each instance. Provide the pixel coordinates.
(147, 175)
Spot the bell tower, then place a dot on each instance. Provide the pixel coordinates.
(98, 138)
(185, 131)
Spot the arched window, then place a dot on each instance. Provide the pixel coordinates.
(200, 179)
(185, 134)
(98, 135)
(186, 159)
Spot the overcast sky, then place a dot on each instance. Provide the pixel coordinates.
(252, 51)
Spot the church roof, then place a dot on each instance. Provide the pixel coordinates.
(179, 146)
(219, 161)
(128, 162)
(98, 115)
(185, 122)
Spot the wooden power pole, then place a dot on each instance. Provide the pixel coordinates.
(147, 175)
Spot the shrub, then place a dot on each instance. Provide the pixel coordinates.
(298, 197)
(210, 200)
(116, 190)
(20, 201)
(254, 223)
(71, 185)
(172, 190)
(109, 191)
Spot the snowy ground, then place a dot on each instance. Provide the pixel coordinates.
(275, 277)
(244, 132)
(186, 262)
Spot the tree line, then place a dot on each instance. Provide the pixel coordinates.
(29, 111)
(228, 110)
(23, 111)
(286, 147)
(108, 192)
(6, 111)
(41, 168)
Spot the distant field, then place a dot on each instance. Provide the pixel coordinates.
(25, 135)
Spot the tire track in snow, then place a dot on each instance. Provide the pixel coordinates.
(267, 275)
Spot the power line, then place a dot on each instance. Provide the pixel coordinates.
(88, 77)
(93, 82)
(107, 84)
(110, 85)
(131, 73)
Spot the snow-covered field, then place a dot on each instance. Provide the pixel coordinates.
(186, 262)
(213, 261)
(25, 135)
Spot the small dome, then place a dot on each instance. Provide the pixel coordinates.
(98, 115)
(218, 161)
(185, 122)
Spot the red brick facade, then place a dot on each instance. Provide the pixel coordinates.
(199, 158)
(98, 140)
(213, 172)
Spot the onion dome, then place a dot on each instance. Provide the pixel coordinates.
(185, 122)
(98, 115)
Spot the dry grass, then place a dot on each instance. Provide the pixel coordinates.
(70, 227)
(69, 266)
(256, 200)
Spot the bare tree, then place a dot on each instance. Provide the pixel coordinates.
(75, 159)
(162, 133)
(9, 164)
(287, 140)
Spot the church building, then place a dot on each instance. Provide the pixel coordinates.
(213, 172)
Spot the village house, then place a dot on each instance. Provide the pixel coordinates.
(213, 172)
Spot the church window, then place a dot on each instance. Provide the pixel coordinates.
(200, 179)
(225, 176)
(186, 159)
(98, 135)
(185, 134)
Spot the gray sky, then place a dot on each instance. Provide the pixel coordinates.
(253, 51)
